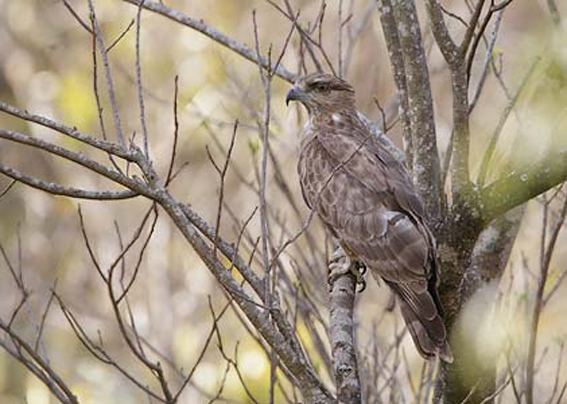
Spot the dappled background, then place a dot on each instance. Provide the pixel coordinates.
(46, 67)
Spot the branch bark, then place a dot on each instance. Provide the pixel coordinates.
(57, 189)
(390, 31)
(343, 345)
(455, 56)
(487, 263)
(520, 186)
(426, 167)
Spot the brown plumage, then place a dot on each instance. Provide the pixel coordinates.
(367, 200)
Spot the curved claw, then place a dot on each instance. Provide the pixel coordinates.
(359, 272)
(362, 283)
(361, 267)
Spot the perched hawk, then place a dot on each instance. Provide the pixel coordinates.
(367, 200)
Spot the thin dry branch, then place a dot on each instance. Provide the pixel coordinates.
(76, 16)
(488, 58)
(109, 82)
(222, 174)
(494, 8)
(68, 131)
(16, 346)
(120, 37)
(27, 356)
(446, 44)
(125, 289)
(98, 352)
(546, 253)
(139, 85)
(211, 32)
(8, 187)
(169, 176)
(501, 122)
(57, 189)
(77, 158)
(264, 236)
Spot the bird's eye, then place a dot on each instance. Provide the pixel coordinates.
(322, 87)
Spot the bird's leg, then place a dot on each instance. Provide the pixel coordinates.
(341, 264)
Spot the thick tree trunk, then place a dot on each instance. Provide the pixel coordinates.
(456, 239)
(471, 260)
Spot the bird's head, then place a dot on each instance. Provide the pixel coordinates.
(322, 93)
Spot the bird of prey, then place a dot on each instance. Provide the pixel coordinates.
(367, 200)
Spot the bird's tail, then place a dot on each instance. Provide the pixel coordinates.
(422, 315)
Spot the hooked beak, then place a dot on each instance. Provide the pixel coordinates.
(294, 94)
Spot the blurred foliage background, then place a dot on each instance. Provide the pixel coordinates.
(46, 67)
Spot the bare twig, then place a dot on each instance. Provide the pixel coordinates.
(122, 35)
(139, 81)
(488, 58)
(169, 177)
(222, 174)
(97, 351)
(546, 252)
(73, 133)
(141, 254)
(8, 187)
(56, 189)
(26, 355)
(109, 81)
(209, 31)
(501, 122)
(493, 9)
(76, 16)
(39, 337)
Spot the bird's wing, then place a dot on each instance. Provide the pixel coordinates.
(364, 202)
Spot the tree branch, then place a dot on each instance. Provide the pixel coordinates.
(73, 133)
(455, 58)
(446, 44)
(343, 345)
(26, 355)
(109, 83)
(520, 186)
(390, 31)
(288, 351)
(483, 171)
(426, 166)
(77, 158)
(57, 189)
(491, 251)
(214, 34)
